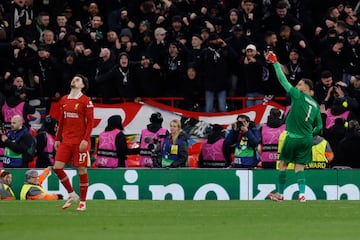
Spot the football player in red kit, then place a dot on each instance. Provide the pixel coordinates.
(75, 126)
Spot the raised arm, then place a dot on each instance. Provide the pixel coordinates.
(271, 57)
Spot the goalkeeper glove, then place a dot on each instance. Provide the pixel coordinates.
(271, 57)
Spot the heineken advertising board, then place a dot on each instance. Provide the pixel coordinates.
(202, 184)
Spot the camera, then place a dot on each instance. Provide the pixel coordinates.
(154, 149)
(239, 124)
(2, 128)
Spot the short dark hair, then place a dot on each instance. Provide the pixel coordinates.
(4, 174)
(281, 5)
(246, 117)
(275, 112)
(326, 74)
(284, 28)
(309, 82)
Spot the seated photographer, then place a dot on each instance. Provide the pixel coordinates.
(243, 140)
(32, 189)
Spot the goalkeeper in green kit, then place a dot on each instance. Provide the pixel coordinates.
(302, 122)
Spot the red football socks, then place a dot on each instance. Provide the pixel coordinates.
(84, 184)
(64, 179)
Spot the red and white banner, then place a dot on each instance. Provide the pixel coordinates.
(136, 115)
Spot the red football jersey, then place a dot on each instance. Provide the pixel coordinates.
(76, 122)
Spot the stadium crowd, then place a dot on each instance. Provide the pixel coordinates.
(209, 49)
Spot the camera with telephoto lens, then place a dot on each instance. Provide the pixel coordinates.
(154, 145)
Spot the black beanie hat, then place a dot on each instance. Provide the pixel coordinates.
(156, 118)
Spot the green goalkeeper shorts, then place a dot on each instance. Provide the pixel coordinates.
(297, 150)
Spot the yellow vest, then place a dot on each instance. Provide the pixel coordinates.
(8, 188)
(25, 189)
(318, 152)
(319, 159)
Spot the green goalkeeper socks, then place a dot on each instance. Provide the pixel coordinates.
(301, 181)
(282, 180)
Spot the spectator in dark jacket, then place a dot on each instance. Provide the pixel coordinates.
(120, 79)
(192, 88)
(297, 67)
(174, 70)
(45, 140)
(238, 41)
(215, 62)
(279, 18)
(334, 135)
(104, 64)
(20, 60)
(348, 146)
(148, 82)
(253, 75)
(333, 59)
(352, 56)
(46, 73)
(69, 70)
(322, 87)
(290, 39)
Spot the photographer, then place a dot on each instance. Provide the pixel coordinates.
(19, 144)
(243, 140)
(151, 142)
(338, 104)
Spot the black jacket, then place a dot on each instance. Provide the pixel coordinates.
(348, 150)
(120, 82)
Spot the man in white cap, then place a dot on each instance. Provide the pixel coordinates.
(253, 75)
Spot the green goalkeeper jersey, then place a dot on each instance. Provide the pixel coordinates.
(304, 118)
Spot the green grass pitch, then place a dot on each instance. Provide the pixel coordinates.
(185, 220)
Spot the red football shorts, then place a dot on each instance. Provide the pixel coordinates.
(69, 154)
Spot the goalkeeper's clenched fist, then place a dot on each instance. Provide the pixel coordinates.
(271, 57)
